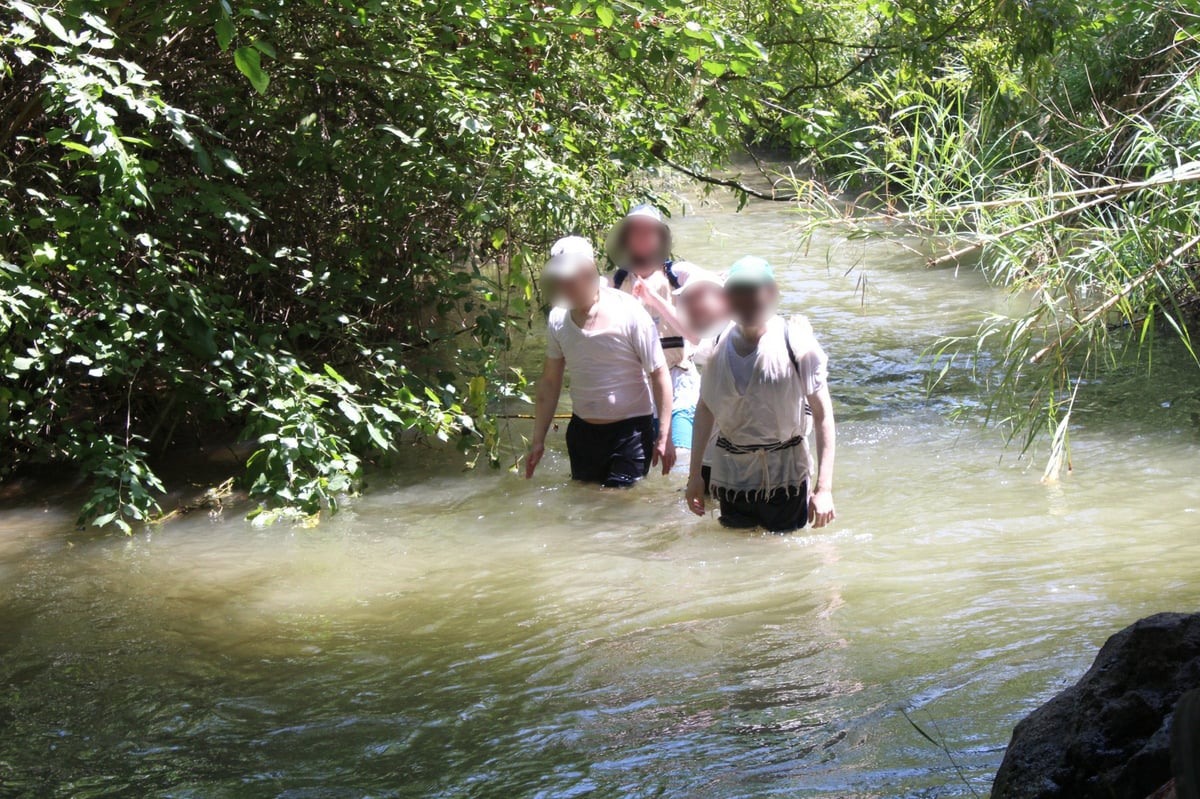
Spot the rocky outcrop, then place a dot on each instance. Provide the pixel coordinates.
(1108, 736)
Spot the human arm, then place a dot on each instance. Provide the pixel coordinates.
(643, 335)
(820, 505)
(664, 309)
(660, 387)
(702, 427)
(549, 388)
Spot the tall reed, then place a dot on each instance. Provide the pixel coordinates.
(1106, 260)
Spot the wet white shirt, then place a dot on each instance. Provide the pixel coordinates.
(768, 410)
(660, 284)
(742, 366)
(608, 368)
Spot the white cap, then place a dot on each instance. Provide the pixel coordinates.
(698, 277)
(639, 213)
(569, 257)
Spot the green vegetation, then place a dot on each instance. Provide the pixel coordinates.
(316, 225)
(1072, 177)
(308, 224)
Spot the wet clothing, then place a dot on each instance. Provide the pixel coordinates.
(616, 454)
(685, 391)
(761, 456)
(662, 283)
(608, 367)
(782, 512)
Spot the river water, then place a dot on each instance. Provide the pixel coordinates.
(470, 634)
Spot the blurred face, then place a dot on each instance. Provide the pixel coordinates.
(705, 307)
(643, 242)
(576, 291)
(752, 306)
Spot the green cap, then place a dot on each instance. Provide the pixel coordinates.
(749, 272)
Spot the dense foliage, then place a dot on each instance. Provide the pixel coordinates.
(311, 224)
(315, 225)
(1072, 176)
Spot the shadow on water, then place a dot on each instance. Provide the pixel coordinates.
(474, 634)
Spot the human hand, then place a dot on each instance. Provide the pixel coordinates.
(639, 288)
(536, 450)
(820, 509)
(664, 453)
(695, 495)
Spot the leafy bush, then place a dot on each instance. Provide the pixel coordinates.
(314, 225)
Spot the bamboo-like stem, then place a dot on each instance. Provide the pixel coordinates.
(1124, 291)
(955, 255)
(1110, 191)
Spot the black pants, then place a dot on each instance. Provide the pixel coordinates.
(616, 454)
(782, 512)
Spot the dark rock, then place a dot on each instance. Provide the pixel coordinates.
(1108, 735)
(1165, 792)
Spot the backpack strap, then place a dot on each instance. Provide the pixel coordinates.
(672, 278)
(787, 340)
(717, 338)
(620, 275)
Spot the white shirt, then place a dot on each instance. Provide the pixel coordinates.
(660, 284)
(742, 366)
(608, 367)
(770, 409)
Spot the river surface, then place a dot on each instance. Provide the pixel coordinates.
(470, 634)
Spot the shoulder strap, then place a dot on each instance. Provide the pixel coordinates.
(619, 277)
(672, 278)
(787, 340)
(717, 338)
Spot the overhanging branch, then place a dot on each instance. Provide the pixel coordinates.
(728, 183)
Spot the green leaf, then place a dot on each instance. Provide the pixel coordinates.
(377, 437)
(228, 161)
(264, 47)
(695, 30)
(224, 30)
(350, 411)
(606, 16)
(97, 23)
(26, 10)
(715, 68)
(56, 27)
(249, 63)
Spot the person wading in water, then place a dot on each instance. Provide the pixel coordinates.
(618, 376)
(703, 304)
(640, 245)
(763, 378)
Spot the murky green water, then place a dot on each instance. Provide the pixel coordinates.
(470, 634)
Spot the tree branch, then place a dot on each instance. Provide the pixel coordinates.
(727, 183)
(1121, 294)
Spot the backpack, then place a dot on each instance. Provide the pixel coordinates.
(668, 267)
